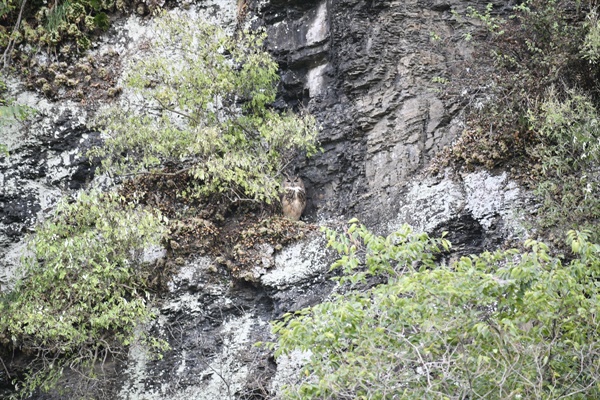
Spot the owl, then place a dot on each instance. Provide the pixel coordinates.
(293, 199)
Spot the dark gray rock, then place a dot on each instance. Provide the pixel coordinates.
(365, 69)
(47, 161)
(213, 324)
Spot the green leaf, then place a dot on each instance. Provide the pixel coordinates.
(101, 21)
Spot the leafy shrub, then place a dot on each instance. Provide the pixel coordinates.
(537, 47)
(569, 153)
(205, 110)
(590, 49)
(84, 289)
(503, 325)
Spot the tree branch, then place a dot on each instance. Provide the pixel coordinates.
(175, 111)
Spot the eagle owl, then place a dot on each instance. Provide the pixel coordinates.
(293, 199)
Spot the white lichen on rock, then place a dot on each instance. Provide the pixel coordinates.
(224, 375)
(318, 27)
(30, 176)
(489, 197)
(288, 369)
(429, 203)
(190, 273)
(494, 201)
(296, 263)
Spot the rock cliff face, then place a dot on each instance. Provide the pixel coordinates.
(365, 69)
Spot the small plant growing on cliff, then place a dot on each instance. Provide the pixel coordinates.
(204, 109)
(10, 112)
(84, 290)
(502, 325)
(43, 25)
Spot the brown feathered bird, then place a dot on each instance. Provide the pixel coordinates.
(293, 199)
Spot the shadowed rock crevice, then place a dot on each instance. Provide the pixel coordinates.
(466, 235)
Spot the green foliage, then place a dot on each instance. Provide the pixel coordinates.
(68, 21)
(14, 112)
(49, 26)
(570, 129)
(569, 152)
(390, 256)
(492, 23)
(542, 44)
(11, 112)
(502, 325)
(561, 108)
(84, 289)
(205, 109)
(541, 47)
(57, 16)
(590, 49)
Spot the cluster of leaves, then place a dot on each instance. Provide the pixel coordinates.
(560, 101)
(63, 25)
(89, 79)
(84, 289)
(11, 112)
(502, 325)
(205, 108)
(539, 46)
(569, 154)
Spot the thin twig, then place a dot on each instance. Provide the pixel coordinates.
(5, 369)
(156, 173)
(171, 173)
(175, 111)
(11, 43)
